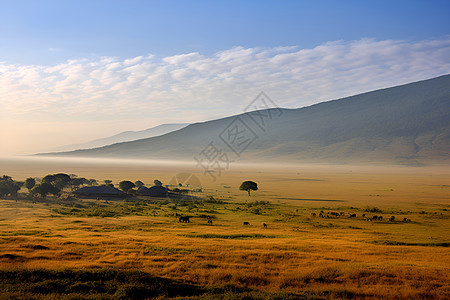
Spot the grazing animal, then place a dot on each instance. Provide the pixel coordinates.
(321, 215)
(409, 220)
(352, 215)
(321, 211)
(264, 225)
(363, 215)
(405, 220)
(246, 223)
(341, 213)
(375, 218)
(313, 214)
(184, 219)
(209, 221)
(380, 218)
(392, 219)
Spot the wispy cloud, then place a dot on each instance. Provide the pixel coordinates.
(192, 86)
(221, 82)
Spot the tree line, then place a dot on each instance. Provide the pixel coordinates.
(55, 184)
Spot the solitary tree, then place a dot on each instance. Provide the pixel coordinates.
(248, 186)
(30, 183)
(157, 182)
(126, 185)
(108, 182)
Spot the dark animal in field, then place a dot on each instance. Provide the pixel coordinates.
(313, 214)
(209, 221)
(380, 218)
(352, 215)
(184, 219)
(321, 211)
(375, 218)
(363, 215)
(409, 221)
(246, 223)
(392, 219)
(321, 215)
(341, 213)
(264, 225)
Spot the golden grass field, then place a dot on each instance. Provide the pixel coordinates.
(297, 256)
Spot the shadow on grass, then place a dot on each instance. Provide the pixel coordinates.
(104, 283)
(395, 243)
(230, 236)
(114, 284)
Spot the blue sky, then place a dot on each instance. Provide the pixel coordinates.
(72, 71)
(46, 32)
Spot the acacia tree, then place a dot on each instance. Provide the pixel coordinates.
(79, 181)
(59, 180)
(126, 185)
(248, 186)
(139, 183)
(30, 183)
(9, 187)
(44, 189)
(157, 182)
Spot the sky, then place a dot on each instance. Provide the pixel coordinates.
(73, 71)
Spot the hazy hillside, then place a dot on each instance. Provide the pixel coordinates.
(407, 124)
(125, 136)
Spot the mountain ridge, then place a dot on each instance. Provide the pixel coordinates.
(125, 136)
(406, 124)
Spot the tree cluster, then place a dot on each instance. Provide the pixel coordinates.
(9, 187)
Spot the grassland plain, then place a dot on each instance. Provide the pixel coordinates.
(136, 249)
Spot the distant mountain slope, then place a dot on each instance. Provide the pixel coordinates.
(407, 124)
(125, 136)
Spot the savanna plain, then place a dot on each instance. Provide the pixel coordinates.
(320, 241)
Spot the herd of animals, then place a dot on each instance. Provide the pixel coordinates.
(352, 215)
(186, 219)
(321, 214)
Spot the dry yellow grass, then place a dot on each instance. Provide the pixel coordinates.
(330, 257)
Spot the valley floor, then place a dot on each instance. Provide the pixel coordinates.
(138, 248)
